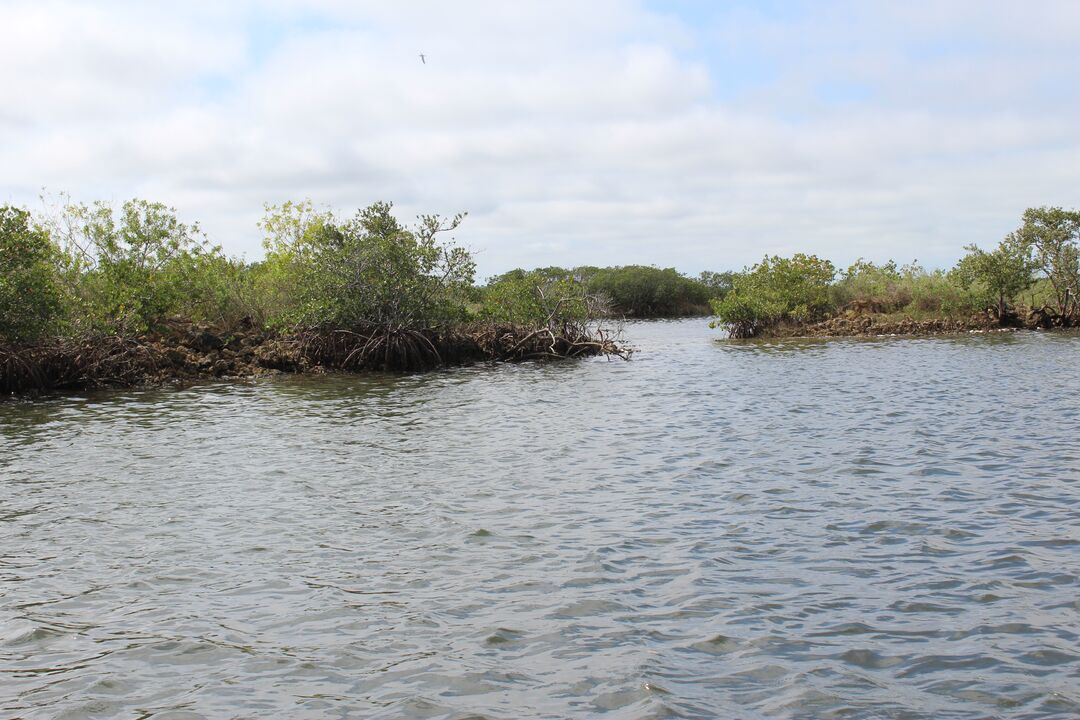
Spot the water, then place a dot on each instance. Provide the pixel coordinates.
(856, 529)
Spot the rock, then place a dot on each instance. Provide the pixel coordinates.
(176, 357)
(205, 341)
(280, 355)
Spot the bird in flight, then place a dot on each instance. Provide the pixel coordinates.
(422, 60)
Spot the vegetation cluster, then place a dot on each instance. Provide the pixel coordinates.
(1031, 278)
(631, 291)
(96, 294)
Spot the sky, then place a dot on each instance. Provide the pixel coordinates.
(689, 134)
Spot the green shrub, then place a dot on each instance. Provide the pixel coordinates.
(131, 270)
(774, 291)
(370, 269)
(633, 291)
(220, 291)
(30, 295)
(865, 286)
(647, 292)
(541, 296)
(295, 235)
(868, 288)
(938, 293)
(997, 277)
(717, 284)
(1053, 237)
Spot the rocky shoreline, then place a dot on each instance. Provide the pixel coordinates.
(873, 325)
(878, 327)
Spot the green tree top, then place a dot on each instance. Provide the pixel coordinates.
(30, 294)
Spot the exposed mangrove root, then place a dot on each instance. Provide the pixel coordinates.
(867, 324)
(385, 348)
(100, 362)
(513, 343)
(185, 353)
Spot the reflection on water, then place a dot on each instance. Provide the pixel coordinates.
(802, 529)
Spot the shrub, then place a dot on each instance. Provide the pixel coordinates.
(540, 297)
(220, 291)
(30, 296)
(939, 293)
(632, 290)
(369, 269)
(646, 292)
(774, 291)
(1053, 237)
(866, 287)
(718, 284)
(130, 270)
(995, 278)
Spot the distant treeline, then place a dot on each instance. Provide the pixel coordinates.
(1032, 278)
(633, 291)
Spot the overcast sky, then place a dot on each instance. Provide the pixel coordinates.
(693, 134)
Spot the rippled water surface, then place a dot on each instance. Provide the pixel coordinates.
(867, 529)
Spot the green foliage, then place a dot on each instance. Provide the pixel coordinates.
(937, 293)
(369, 269)
(220, 291)
(774, 291)
(998, 276)
(718, 284)
(540, 297)
(1040, 295)
(295, 236)
(30, 295)
(131, 269)
(135, 268)
(648, 292)
(744, 311)
(1053, 237)
(631, 290)
(865, 286)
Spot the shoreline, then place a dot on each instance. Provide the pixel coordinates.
(869, 326)
(194, 353)
(190, 353)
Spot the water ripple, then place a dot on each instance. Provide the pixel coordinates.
(856, 529)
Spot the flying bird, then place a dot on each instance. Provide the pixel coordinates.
(422, 60)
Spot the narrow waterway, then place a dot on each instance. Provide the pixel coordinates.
(857, 529)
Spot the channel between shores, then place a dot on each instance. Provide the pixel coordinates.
(188, 353)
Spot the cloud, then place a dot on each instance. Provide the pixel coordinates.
(601, 133)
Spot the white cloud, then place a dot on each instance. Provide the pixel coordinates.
(600, 133)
